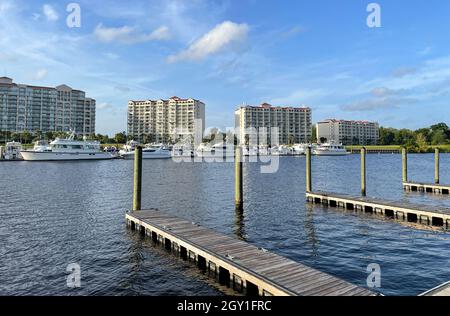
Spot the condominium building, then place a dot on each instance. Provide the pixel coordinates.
(293, 123)
(166, 120)
(45, 109)
(348, 132)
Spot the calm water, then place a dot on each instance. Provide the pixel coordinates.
(54, 214)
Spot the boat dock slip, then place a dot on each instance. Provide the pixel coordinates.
(435, 187)
(426, 187)
(407, 211)
(238, 264)
(441, 290)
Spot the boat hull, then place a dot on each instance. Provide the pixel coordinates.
(330, 153)
(61, 156)
(130, 156)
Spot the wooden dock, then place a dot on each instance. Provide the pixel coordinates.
(426, 188)
(441, 290)
(238, 264)
(417, 213)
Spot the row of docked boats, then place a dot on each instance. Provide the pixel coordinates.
(70, 149)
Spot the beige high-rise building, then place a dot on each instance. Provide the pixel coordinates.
(165, 120)
(348, 132)
(293, 123)
(45, 109)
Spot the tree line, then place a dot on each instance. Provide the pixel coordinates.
(420, 140)
(29, 138)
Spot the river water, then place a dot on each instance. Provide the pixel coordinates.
(56, 214)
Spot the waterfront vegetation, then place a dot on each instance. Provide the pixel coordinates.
(421, 140)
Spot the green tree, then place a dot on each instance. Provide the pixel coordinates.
(439, 137)
(421, 142)
(120, 138)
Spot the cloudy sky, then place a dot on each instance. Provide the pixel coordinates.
(318, 53)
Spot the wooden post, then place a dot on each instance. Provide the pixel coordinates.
(405, 165)
(239, 199)
(436, 165)
(363, 171)
(137, 178)
(308, 170)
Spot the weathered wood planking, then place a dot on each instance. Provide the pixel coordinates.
(427, 188)
(441, 290)
(433, 216)
(271, 273)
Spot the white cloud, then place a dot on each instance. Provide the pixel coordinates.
(104, 106)
(161, 33)
(128, 35)
(222, 36)
(5, 6)
(40, 74)
(50, 12)
(426, 51)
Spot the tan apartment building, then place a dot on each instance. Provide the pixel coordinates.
(348, 132)
(293, 123)
(45, 109)
(165, 121)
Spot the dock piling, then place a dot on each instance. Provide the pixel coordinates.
(405, 165)
(137, 179)
(436, 166)
(238, 178)
(363, 171)
(308, 170)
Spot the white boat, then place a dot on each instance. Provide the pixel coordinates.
(329, 149)
(282, 150)
(250, 150)
(184, 150)
(66, 149)
(12, 151)
(219, 150)
(151, 151)
(41, 145)
(299, 149)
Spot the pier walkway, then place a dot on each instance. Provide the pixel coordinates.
(425, 214)
(441, 290)
(426, 187)
(238, 264)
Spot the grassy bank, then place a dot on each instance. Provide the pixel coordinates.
(428, 149)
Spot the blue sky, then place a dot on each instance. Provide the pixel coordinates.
(318, 53)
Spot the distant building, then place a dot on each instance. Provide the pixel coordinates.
(165, 120)
(293, 123)
(45, 109)
(348, 132)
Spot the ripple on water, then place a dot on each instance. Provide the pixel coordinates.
(54, 214)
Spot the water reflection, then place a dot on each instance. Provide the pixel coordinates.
(310, 230)
(239, 224)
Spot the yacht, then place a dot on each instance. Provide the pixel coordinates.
(183, 150)
(329, 149)
(150, 151)
(299, 149)
(12, 151)
(66, 149)
(215, 151)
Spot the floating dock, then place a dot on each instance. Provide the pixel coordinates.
(409, 212)
(441, 290)
(426, 188)
(238, 264)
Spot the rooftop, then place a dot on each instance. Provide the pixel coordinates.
(269, 106)
(346, 121)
